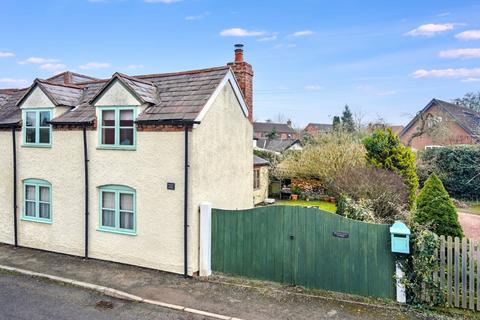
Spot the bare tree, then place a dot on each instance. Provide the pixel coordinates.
(432, 125)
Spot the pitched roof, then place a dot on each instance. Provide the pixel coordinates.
(276, 145)
(258, 162)
(269, 126)
(178, 96)
(324, 127)
(466, 118)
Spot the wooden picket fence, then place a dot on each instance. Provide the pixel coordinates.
(459, 274)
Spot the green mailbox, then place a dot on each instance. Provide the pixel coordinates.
(400, 235)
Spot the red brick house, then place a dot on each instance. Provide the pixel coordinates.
(442, 123)
(315, 128)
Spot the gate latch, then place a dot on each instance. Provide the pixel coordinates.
(292, 237)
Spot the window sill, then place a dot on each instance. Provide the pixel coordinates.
(127, 148)
(36, 145)
(124, 232)
(29, 219)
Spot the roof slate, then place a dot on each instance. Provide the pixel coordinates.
(178, 96)
(269, 126)
(277, 145)
(257, 161)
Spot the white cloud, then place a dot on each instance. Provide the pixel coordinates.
(197, 17)
(447, 73)
(285, 45)
(470, 80)
(162, 1)
(13, 82)
(38, 60)
(6, 54)
(468, 35)
(443, 14)
(95, 65)
(303, 33)
(431, 29)
(54, 67)
(239, 32)
(135, 66)
(270, 38)
(460, 53)
(313, 87)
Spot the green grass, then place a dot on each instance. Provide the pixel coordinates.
(327, 206)
(473, 209)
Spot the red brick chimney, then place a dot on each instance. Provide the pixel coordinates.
(244, 73)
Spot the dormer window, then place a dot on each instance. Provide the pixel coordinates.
(117, 128)
(37, 130)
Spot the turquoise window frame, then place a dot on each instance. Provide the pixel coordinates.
(37, 183)
(117, 190)
(37, 127)
(116, 145)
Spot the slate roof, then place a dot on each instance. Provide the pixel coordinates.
(269, 126)
(276, 145)
(178, 96)
(465, 117)
(258, 162)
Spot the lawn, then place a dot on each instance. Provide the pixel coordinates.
(473, 209)
(327, 206)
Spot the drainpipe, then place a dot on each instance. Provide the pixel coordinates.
(85, 158)
(185, 203)
(14, 144)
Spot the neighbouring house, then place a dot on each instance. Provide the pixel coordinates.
(374, 126)
(272, 130)
(316, 128)
(116, 169)
(277, 146)
(442, 123)
(260, 179)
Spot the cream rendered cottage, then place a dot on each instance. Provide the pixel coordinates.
(116, 169)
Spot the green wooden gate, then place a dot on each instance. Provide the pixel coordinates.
(304, 246)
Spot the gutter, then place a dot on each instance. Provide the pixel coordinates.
(14, 146)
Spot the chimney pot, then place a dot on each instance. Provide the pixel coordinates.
(239, 52)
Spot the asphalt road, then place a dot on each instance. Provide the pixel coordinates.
(26, 298)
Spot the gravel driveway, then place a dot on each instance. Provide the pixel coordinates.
(470, 224)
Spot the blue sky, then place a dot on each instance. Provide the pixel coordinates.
(384, 58)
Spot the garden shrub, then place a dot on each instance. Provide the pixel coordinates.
(419, 268)
(458, 167)
(436, 209)
(384, 191)
(384, 150)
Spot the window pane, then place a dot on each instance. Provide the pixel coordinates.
(126, 201)
(108, 118)
(108, 200)
(44, 135)
(30, 192)
(108, 136)
(126, 118)
(30, 209)
(126, 137)
(45, 194)
(108, 218)
(44, 210)
(44, 118)
(30, 135)
(126, 220)
(30, 119)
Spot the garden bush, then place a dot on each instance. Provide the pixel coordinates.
(436, 209)
(384, 150)
(458, 167)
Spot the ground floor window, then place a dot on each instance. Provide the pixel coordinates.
(37, 204)
(117, 209)
(256, 179)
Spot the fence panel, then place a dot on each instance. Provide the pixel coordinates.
(304, 246)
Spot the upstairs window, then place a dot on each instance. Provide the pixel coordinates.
(117, 209)
(37, 202)
(117, 128)
(37, 131)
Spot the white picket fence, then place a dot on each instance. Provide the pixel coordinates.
(459, 274)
